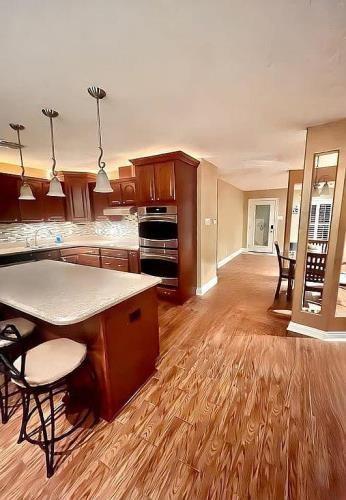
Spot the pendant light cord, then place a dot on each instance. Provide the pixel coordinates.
(101, 164)
(21, 156)
(53, 149)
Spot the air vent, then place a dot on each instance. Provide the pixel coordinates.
(9, 145)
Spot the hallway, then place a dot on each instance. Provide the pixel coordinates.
(236, 410)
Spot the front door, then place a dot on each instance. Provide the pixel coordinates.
(261, 225)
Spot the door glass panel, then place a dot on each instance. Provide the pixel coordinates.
(262, 219)
(341, 300)
(158, 230)
(297, 195)
(320, 217)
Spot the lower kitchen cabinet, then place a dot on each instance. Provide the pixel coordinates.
(89, 260)
(115, 264)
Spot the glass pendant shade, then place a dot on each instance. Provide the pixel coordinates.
(55, 188)
(325, 189)
(315, 191)
(102, 183)
(26, 192)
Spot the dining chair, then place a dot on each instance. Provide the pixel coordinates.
(322, 244)
(285, 272)
(315, 268)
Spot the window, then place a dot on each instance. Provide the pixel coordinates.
(320, 217)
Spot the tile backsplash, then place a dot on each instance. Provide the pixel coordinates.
(126, 228)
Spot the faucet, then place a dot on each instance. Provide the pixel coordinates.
(38, 230)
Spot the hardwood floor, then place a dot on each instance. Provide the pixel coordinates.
(236, 410)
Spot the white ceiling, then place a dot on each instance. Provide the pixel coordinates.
(233, 81)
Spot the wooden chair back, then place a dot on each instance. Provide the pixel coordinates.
(323, 244)
(278, 254)
(315, 267)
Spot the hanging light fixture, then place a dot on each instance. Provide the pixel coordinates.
(25, 189)
(325, 189)
(55, 188)
(102, 182)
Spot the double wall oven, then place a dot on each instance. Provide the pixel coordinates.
(158, 240)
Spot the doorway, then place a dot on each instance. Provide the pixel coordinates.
(262, 221)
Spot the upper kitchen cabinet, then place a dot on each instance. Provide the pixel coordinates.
(54, 206)
(9, 192)
(99, 201)
(114, 198)
(124, 192)
(160, 177)
(78, 198)
(128, 192)
(34, 210)
(164, 181)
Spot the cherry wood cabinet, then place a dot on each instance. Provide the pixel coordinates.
(134, 265)
(115, 264)
(114, 198)
(89, 260)
(54, 207)
(78, 198)
(156, 182)
(124, 192)
(9, 192)
(99, 201)
(128, 192)
(33, 210)
(164, 181)
(145, 177)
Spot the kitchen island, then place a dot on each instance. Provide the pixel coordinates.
(113, 313)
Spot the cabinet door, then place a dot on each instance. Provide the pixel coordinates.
(128, 192)
(72, 259)
(114, 199)
(133, 261)
(33, 210)
(89, 260)
(55, 207)
(99, 201)
(78, 201)
(115, 264)
(164, 181)
(9, 204)
(145, 183)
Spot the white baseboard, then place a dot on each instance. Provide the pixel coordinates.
(207, 286)
(316, 333)
(229, 258)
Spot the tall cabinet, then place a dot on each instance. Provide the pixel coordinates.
(171, 179)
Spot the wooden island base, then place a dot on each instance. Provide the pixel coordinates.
(123, 346)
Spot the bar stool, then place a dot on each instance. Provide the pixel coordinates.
(44, 371)
(24, 328)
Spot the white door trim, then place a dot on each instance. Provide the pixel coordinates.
(251, 203)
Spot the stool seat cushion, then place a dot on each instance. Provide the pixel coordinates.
(24, 327)
(51, 361)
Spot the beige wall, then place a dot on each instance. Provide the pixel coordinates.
(281, 194)
(206, 234)
(230, 219)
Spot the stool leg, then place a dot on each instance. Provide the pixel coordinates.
(46, 442)
(4, 398)
(26, 408)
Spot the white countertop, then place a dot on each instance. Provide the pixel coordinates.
(64, 294)
(121, 243)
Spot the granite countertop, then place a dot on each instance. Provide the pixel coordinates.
(120, 243)
(64, 294)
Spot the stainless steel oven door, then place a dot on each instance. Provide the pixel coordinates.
(158, 231)
(162, 263)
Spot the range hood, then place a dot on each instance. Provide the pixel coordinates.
(120, 211)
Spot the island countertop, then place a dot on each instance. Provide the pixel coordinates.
(64, 294)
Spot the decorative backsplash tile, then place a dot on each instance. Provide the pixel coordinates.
(128, 227)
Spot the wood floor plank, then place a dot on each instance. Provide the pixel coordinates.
(235, 410)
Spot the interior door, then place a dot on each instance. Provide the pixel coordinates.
(261, 225)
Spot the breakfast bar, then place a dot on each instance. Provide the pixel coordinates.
(114, 313)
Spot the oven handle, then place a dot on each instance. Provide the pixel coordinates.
(155, 218)
(158, 257)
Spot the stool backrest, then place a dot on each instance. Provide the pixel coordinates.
(315, 267)
(11, 334)
(277, 248)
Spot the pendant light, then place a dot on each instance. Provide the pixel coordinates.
(102, 182)
(55, 188)
(25, 190)
(325, 189)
